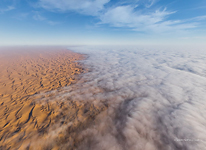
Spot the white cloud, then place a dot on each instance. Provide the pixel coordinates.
(138, 15)
(127, 16)
(151, 2)
(9, 8)
(21, 16)
(160, 91)
(38, 17)
(198, 18)
(143, 3)
(155, 95)
(88, 7)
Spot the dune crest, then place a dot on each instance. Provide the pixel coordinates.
(26, 72)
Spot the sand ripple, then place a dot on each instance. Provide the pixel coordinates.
(26, 72)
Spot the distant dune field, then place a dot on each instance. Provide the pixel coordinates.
(25, 72)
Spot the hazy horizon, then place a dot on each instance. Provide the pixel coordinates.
(103, 74)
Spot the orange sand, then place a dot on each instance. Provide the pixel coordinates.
(25, 72)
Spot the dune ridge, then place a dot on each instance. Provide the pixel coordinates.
(25, 73)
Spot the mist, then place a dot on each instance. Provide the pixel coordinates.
(154, 98)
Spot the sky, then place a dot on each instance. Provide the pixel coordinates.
(110, 22)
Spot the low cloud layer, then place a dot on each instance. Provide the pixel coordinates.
(156, 98)
(160, 95)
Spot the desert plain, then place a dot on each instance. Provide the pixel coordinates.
(27, 123)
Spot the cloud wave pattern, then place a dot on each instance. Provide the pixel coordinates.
(159, 96)
(156, 97)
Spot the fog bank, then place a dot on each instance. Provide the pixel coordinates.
(155, 98)
(158, 95)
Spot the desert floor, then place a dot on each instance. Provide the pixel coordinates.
(26, 72)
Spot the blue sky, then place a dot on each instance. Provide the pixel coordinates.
(73, 22)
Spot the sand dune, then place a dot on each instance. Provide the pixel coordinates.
(127, 98)
(26, 72)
